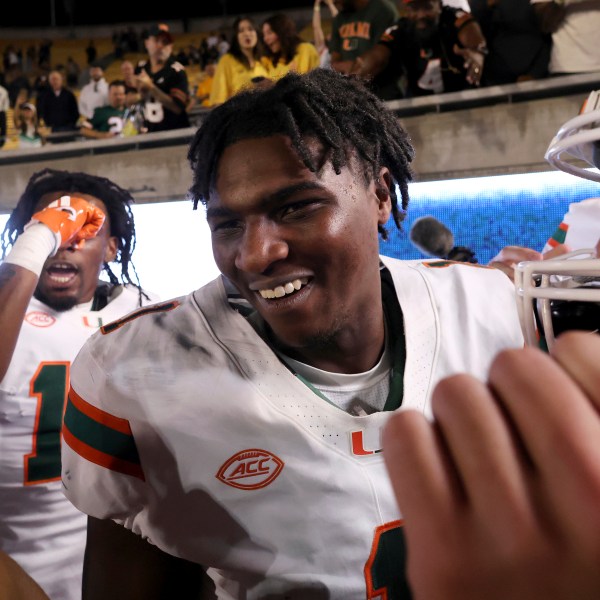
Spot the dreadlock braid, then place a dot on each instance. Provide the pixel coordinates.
(116, 199)
(336, 110)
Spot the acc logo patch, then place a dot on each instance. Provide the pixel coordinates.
(250, 469)
(39, 319)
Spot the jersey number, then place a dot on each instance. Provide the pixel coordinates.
(49, 385)
(385, 571)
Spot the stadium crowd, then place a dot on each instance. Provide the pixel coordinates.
(405, 48)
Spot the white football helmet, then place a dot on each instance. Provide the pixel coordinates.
(557, 295)
(580, 138)
(560, 294)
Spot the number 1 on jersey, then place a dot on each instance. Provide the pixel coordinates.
(385, 571)
(49, 385)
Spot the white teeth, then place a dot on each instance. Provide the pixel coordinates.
(282, 290)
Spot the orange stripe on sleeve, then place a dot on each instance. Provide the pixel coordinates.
(100, 458)
(98, 415)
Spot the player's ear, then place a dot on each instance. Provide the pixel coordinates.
(383, 185)
(112, 246)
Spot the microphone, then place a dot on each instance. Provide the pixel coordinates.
(433, 238)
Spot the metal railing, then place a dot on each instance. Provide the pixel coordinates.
(511, 93)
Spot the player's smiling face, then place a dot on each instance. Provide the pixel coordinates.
(301, 247)
(70, 276)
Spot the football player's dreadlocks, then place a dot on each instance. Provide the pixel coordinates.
(116, 199)
(337, 111)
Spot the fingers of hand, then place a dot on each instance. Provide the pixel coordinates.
(473, 72)
(578, 353)
(416, 464)
(489, 466)
(516, 254)
(74, 219)
(556, 420)
(473, 64)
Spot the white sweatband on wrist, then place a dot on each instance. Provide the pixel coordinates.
(32, 248)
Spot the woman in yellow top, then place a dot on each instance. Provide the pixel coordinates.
(284, 49)
(241, 66)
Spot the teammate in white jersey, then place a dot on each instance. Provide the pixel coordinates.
(66, 228)
(238, 428)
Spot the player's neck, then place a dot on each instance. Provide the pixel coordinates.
(348, 351)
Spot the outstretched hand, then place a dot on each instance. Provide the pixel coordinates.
(510, 256)
(71, 219)
(473, 63)
(500, 493)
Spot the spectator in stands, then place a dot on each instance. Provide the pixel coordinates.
(120, 43)
(162, 83)
(223, 45)
(212, 39)
(11, 57)
(57, 106)
(30, 58)
(41, 85)
(435, 47)
(26, 123)
(518, 49)
(132, 96)
(182, 57)
(132, 40)
(72, 71)
(205, 86)
(44, 53)
(16, 83)
(95, 93)
(4, 106)
(318, 34)
(358, 27)
(284, 49)
(574, 26)
(242, 65)
(107, 121)
(194, 54)
(208, 53)
(91, 52)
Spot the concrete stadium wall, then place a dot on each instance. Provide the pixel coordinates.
(501, 138)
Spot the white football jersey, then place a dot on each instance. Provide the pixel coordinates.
(580, 227)
(184, 426)
(39, 527)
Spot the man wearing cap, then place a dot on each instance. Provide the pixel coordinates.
(162, 83)
(435, 48)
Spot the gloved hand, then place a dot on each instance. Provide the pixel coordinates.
(71, 219)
